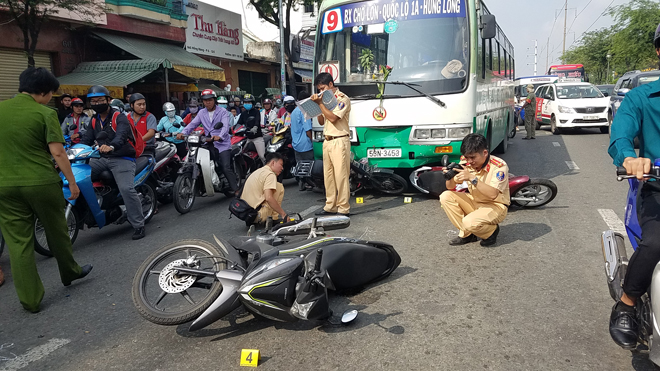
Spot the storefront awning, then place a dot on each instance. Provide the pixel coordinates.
(306, 76)
(112, 74)
(183, 62)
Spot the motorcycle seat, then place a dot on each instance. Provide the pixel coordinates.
(162, 152)
(105, 177)
(141, 163)
(250, 147)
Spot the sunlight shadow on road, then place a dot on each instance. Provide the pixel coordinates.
(521, 232)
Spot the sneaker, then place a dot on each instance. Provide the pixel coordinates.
(492, 239)
(139, 233)
(457, 241)
(323, 212)
(623, 326)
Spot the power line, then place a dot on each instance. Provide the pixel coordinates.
(576, 17)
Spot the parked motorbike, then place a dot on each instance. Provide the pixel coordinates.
(198, 176)
(616, 265)
(271, 276)
(282, 143)
(100, 202)
(244, 153)
(363, 176)
(524, 191)
(166, 168)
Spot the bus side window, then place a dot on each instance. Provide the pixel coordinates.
(481, 57)
(489, 55)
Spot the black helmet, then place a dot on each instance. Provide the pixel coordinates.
(248, 98)
(118, 104)
(135, 97)
(656, 37)
(98, 91)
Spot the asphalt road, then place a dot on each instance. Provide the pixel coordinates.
(536, 301)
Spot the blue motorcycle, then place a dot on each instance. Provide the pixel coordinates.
(616, 264)
(100, 202)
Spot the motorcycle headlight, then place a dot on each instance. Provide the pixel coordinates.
(564, 109)
(301, 310)
(193, 139)
(318, 136)
(74, 153)
(459, 133)
(275, 147)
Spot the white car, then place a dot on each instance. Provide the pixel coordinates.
(571, 105)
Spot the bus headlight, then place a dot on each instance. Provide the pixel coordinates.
(438, 133)
(459, 133)
(422, 133)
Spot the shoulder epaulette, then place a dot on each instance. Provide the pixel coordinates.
(497, 163)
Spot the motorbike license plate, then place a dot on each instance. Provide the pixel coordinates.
(384, 153)
(590, 117)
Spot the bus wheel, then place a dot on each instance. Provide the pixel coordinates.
(503, 146)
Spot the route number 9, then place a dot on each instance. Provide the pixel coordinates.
(332, 21)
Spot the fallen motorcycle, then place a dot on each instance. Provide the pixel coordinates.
(362, 176)
(524, 191)
(616, 264)
(271, 276)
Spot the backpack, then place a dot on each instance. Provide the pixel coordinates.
(243, 211)
(137, 143)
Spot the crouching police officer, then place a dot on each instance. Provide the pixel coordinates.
(478, 213)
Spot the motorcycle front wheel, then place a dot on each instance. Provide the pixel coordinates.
(184, 193)
(543, 190)
(149, 200)
(40, 241)
(163, 296)
(391, 184)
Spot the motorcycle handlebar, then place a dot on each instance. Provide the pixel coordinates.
(622, 173)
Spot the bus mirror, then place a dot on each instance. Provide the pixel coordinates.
(488, 26)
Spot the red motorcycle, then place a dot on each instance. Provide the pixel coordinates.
(525, 192)
(244, 153)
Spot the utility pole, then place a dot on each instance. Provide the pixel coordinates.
(536, 44)
(547, 54)
(563, 50)
(282, 60)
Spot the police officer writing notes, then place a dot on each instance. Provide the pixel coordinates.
(478, 213)
(336, 147)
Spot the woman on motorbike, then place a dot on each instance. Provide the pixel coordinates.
(173, 124)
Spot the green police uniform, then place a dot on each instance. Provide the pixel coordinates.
(530, 115)
(31, 188)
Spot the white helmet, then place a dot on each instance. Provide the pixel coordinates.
(222, 100)
(168, 107)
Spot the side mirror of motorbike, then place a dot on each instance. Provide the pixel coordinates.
(218, 125)
(349, 316)
(445, 160)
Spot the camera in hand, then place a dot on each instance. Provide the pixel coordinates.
(451, 170)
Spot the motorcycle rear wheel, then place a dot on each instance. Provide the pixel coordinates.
(40, 241)
(545, 190)
(149, 200)
(187, 296)
(184, 193)
(391, 184)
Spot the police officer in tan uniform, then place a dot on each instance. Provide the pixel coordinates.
(336, 148)
(478, 213)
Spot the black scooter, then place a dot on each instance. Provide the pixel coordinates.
(270, 276)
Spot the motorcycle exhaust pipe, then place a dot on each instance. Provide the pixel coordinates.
(328, 223)
(616, 261)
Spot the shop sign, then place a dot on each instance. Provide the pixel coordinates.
(213, 31)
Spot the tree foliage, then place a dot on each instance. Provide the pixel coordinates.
(629, 41)
(31, 15)
(269, 11)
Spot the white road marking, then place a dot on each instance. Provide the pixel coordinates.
(556, 144)
(308, 211)
(34, 354)
(572, 165)
(612, 220)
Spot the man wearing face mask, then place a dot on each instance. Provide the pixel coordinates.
(144, 121)
(289, 106)
(117, 154)
(173, 124)
(251, 118)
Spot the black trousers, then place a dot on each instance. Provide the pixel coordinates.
(223, 163)
(644, 259)
(181, 150)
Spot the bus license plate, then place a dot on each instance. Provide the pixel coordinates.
(384, 153)
(591, 117)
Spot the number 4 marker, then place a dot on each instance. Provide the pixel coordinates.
(250, 357)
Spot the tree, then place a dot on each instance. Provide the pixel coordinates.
(31, 15)
(269, 12)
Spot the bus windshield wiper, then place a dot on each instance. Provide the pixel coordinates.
(412, 86)
(374, 96)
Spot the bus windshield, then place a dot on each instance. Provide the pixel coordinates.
(431, 52)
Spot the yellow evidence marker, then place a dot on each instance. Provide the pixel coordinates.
(250, 357)
(359, 200)
(407, 200)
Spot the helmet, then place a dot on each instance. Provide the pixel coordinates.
(127, 107)
(136, 97)
(222, 100)
(98, 91)
(75, 101)
(278, 102)
(193, 102)
(208, 93)
(289, 99)
(248, 98)
(257, 105)
(656, 37)
(168, 107)
(117, 104)
(65, 95)
(268, 101)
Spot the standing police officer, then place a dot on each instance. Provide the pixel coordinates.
(336, 147)
(530, 113)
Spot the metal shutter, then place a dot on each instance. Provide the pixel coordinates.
(12, 63)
